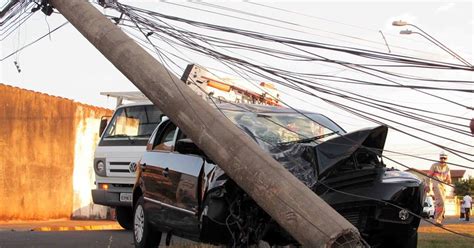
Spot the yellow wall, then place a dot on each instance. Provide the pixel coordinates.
(37, 153)
(84, 176)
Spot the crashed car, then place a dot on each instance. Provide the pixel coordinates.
(181, 191)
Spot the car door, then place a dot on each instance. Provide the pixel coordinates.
(171, 183)
(153, 173)
(188, 167)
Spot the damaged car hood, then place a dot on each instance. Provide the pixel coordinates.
(330, 153)
(310, 161)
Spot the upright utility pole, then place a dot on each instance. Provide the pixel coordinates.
(294, 206)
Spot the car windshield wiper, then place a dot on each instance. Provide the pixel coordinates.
(306, 140)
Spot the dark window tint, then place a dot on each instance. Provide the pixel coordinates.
(165, 133)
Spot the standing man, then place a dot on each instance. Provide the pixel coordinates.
(440, 171)
(467, 204)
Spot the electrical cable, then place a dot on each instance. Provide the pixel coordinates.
(34, 41)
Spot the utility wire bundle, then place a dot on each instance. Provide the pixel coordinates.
(13, 15)
(226, 45)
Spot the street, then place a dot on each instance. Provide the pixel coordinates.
(108, 234)
(113, 238)
(70, 233)
(102, 238)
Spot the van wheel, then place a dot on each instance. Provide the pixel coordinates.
(125, 217)
(144, 235)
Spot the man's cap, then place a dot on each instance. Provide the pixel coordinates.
(443, 155)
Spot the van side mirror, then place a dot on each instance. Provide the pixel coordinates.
(103, 124)
(187, 146)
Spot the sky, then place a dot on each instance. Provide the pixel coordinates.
(67, 65)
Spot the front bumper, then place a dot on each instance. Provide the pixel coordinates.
(375, 220)
(110, 198)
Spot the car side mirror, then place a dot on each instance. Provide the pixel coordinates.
(187, 146)
(103, 124)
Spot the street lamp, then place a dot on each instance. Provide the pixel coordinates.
(399, 23)
(408, 31)
(430, 38)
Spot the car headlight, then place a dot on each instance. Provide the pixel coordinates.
(100, 167)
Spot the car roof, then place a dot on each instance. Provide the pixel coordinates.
(256, 108)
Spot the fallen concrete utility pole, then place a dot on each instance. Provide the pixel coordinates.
(309, 219)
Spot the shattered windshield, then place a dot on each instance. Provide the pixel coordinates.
(288, 137)
(280, 128)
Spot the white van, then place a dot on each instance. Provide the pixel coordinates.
(428, 207)
(122, 142)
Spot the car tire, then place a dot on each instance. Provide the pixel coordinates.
(125, 217)
(144, 235)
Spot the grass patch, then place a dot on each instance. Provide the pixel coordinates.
(443, 240)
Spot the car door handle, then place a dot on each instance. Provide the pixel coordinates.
(166, 172)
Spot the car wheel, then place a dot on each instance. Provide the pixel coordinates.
(125, 217)
(144, 235)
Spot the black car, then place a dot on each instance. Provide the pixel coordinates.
(180, 191)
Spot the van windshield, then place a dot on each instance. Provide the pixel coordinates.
(133, 123)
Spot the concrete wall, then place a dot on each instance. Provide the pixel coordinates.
(44, 142)
(87, 137)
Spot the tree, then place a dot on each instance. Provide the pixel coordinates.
(461, 187)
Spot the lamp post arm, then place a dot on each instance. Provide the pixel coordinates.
(439, 44)
(428, 37)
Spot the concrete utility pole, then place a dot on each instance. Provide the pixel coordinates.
(294, 206)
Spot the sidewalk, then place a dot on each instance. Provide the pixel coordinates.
(59, 225)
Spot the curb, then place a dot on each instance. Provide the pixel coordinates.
(77, 228)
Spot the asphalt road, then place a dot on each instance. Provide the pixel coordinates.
(102, 238)
(108, 239)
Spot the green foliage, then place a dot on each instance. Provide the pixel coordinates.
(464, 186)
(443, 240)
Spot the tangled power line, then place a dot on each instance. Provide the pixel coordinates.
(157, 27)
